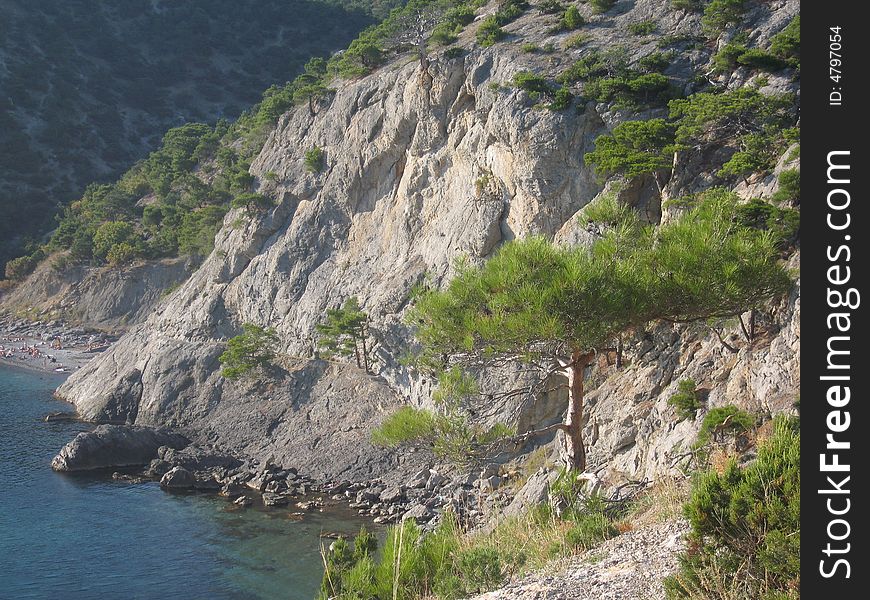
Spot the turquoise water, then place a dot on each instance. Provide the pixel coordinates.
(70, 537)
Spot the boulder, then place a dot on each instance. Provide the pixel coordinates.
(274, 500)
(243, 501)
(393, 494)
(420, 513)
(112, 446)
(178, 478)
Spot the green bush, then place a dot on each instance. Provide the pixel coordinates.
(601, 6)
(744, 542)
(787, 43)
(782, 223)
(789, 187)
(693, 5)
(480, 569)
(490, 32)
(530, 48)
(550, 7)
(404, 425)
(589, 530)
(533, 84)
(251, 351)
(656, 62)
(572, 19)
(575, 41)
(562, 99)
(19, 268)
(724, 421)
(721, 14)
(109, 234)
(686, 400)
(120, 254)
(315, 160)
(607, 211)
(642, 27)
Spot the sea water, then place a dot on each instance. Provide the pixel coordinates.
(70, 536)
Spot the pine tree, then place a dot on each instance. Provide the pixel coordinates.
(557, 308)
(346, 333)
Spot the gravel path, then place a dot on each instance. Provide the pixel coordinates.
(628, 567)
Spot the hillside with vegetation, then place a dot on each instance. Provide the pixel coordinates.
(91, 87)
(519, 279)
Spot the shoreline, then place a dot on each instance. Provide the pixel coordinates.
(49, 347)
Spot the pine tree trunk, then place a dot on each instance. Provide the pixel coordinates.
(573, 451)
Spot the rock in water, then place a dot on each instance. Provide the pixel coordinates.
(178, 478)
(111, 446)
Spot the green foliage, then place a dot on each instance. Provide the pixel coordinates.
(782, 223)
(744, 542)
(733, 54)
(686, 400)
(722, 14)
(690, 5)
(758, 123)
(789, 187)
(253, 204)
(448, 432)
(724, 421)
(640, 28)
(120, 254)
(346, 333)
(533, 84)
(315, 160)
(572, 19)
(406, 425)
(110, 234)
(490, 30)
(630, 89)
(562, 99)
(254, 350)
(787, 43)
(635, 148)
(576, 41)
(551, 7)
(656, 62)
(410, 565)
(530, 48)
(531, 293)
(607, 211)
(19, 268)
(536, 87)
(601, 6)
(589, 530)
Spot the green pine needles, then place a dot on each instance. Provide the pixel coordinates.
(251, 352)
(745, 534)
(557, 307)
(346, 333)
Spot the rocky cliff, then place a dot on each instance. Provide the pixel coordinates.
(421, 169)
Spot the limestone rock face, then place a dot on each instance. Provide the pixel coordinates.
(99, 297)
(415, 176)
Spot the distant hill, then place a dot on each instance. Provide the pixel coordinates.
(88, 87)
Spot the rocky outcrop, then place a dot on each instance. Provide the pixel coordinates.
(415, 177)
(106, 298)
(631, 565)
(112, 446)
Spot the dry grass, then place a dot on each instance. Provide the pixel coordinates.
(662, 502)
